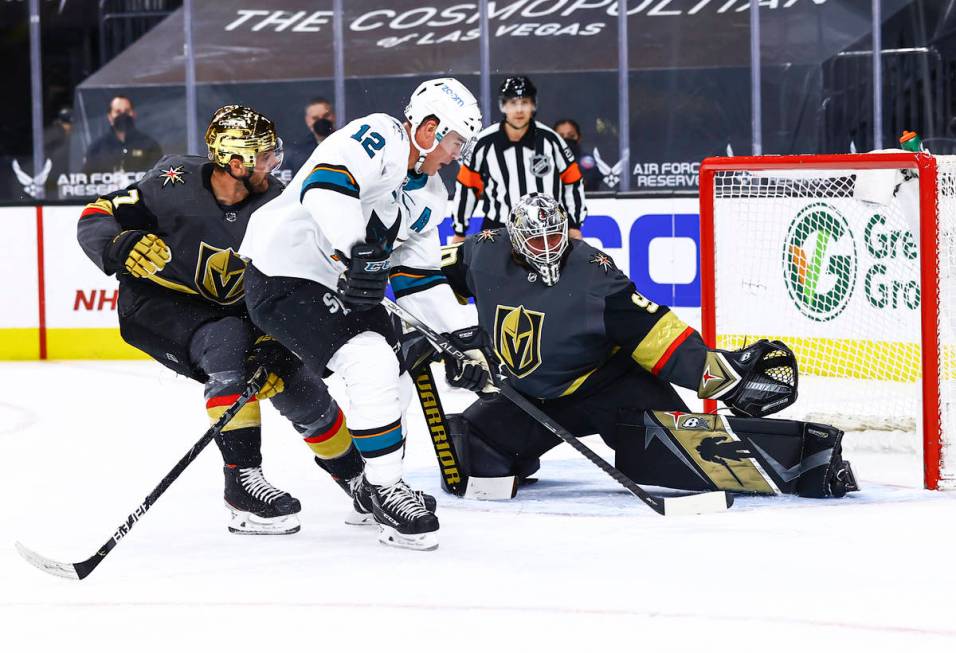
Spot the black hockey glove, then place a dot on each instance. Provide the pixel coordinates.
(140, 253)
(475, 374)
(362, 286)
(753, 382)
(417, 351)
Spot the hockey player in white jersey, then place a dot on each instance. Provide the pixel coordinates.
(364, 207)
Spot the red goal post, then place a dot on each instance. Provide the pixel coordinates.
(768, 182)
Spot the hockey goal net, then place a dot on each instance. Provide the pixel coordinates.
(851, 261)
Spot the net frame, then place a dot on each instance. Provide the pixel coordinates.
(927, 169)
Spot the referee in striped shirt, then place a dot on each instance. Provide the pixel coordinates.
(515, 157)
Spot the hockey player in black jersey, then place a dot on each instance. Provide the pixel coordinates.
(575, 336)
(171, 239)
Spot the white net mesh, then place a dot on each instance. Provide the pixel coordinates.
(828, 261)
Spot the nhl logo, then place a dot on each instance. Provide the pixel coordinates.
(541, 165)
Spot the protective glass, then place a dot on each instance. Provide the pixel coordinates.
(269, 160)
(456, 145)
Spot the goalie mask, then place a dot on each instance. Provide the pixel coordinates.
(459, 118)
(236, 131)
(538, 229)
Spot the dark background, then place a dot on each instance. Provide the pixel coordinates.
(689, 91)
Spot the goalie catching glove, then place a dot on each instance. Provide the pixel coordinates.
(140, 253)
(362, 286)
(474, 374)
(753, 382)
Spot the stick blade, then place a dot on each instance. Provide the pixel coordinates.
(698, 504)
(61, 569)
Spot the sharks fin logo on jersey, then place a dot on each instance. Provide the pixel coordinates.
(518, 338)
(422, 220)
(220, 274)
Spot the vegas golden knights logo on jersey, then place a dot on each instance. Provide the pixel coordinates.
(220, 274)
(518, 338)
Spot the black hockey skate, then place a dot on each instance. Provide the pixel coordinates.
(256, 507)
(361, 493)
(402, 517)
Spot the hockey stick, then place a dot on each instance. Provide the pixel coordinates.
(80, 570)
(692, 504)
(449, 462)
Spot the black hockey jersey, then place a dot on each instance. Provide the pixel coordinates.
(175, 201)
(565, 338)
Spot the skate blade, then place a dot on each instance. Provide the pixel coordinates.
(420, 542)
(356, 518)
(246, 523)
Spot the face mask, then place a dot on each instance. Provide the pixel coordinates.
(123, 122)
(322, 127)
(575, 147)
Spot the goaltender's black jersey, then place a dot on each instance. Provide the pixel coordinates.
(499, 172)
(562, 339)
(174, 200)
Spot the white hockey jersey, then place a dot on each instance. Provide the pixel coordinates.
(355, 187)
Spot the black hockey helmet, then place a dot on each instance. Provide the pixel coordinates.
(517, 86)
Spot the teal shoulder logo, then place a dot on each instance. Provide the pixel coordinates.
(820, 262)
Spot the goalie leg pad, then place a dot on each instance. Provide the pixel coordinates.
(747, 455)
(480, 458)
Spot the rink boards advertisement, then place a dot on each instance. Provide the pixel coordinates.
(63, 307)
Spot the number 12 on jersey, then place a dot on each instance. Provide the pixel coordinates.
(372, 143)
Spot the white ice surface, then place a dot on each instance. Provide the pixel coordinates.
(572, 564)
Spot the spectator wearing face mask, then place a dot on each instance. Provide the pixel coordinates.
(320, 122)
(123, 148)
(570, 131)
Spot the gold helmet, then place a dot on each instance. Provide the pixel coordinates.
(238, 131)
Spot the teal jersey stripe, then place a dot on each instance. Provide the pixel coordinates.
(402, 284)
(378, 442)
(332, 180)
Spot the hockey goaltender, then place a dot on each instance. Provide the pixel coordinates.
(572, 335)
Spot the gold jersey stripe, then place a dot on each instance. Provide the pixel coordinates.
(657, 341)
(102, 204)
(172, 285)
(578, 382)
(334, 446)
(248, 416)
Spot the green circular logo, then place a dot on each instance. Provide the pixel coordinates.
(819, 262)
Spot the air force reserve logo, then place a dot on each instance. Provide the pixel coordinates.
(518, 338)
(220, 274)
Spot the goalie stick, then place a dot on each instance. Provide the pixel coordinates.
(691, 504)
(80, 570)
